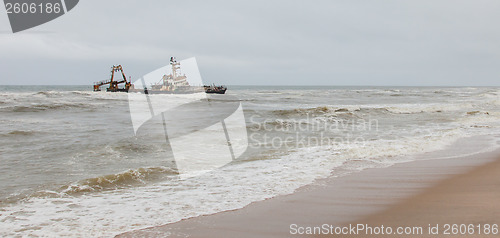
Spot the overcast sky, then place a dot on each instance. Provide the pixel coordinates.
(371, 42)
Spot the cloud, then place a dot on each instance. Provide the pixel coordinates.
(278, 42)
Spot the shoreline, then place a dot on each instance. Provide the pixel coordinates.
(333, 200)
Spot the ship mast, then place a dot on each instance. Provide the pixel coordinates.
(175, 66)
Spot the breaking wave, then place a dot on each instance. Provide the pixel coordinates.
(315, 110)
(129, 178)
(126, 179)
(48, 93)
(393, 109)
(21, 132)
(46, 107)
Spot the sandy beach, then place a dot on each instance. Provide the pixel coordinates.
(459, 190)
(463, 205)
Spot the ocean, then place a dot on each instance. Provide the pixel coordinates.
(73, 163)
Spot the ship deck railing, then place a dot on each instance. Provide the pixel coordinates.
(102, 82)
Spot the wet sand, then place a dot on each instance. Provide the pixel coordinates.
(458, 190)
(463, 205)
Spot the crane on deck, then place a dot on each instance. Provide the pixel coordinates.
(113, 85)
